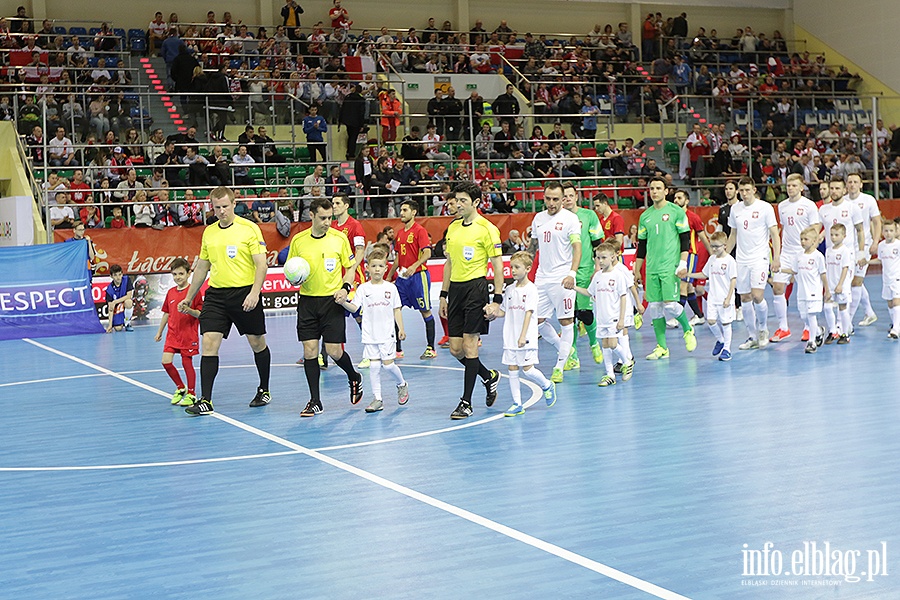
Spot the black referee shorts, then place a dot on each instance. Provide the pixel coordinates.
(465, 307)
(223, 307)
(320, 317)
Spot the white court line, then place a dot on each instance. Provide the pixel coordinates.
(535, 397)
(153, 464)
(515, 534)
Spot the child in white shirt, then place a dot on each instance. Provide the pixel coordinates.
(520, 333)
(889, 255)
(808, 270)
(840, 262)
(379, 302)
(721, 272)
(609, 290)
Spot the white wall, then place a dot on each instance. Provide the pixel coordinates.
(863, 31)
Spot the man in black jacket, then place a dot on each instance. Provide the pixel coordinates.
(453, 108)
(436, 110)
(220, 102)
(183, 73)
(506, 106)
(353, 117)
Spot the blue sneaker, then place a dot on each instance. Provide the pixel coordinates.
(725, 355)
(550, 394)
(718, 348)
(514, 410)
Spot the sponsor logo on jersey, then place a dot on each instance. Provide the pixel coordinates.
(231, 251)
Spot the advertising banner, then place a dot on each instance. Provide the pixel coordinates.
(46, 291)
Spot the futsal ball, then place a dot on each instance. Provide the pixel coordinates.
(296, 270)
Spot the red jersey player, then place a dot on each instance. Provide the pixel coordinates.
(413, 248)
(612, 222)
(697, 256)
(352, 228)
(182, 337)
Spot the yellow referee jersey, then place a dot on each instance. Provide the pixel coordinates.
(470, 247)
(230, 251)
(327, 256)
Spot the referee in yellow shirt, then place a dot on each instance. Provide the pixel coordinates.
(320, 311)
(233, 252)
(471, 241)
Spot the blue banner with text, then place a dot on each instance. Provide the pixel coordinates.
(46, 291)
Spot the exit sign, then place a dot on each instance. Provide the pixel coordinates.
(412, 86)
(471, 86)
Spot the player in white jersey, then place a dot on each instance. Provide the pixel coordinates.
(889, 256)
(609, 291)
(839, 264)
(721, 273)
(520, 333)
(753, 226)
(808, 270)
(868, 208)
(379, 301)
(557, 235)
(847, 213)
(795, 214)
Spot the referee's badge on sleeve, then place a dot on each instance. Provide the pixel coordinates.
(231, 251)
(330, 264)
(468, 252)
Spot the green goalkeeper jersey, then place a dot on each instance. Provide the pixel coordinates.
(590, 232)
(662, 228)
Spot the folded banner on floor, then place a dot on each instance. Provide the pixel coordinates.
(46, 291)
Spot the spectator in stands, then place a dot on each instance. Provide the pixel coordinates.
(484, 143)
(263, 210)
(156, 145)
(60, 151)
(166, 213)
(315, 179)
(191, 213)
(506, 106)
(240, 166)
(128, 187)
(315, 128)
(61, 214)
(80, 190)
(91, 218)
(363, 170)
(504, 200)
(390, 115)
(198, 167)
(29, 115)
(352, 116)
(336, 184)
(248, 139)
(413, 148)
(99, 110)
(432, 144)
(156, 33)
(170, 161)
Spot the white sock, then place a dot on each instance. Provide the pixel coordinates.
(846, 321)
(855, 299)
(621, 353)
(864, 301)
(548, 332)
(128, 313)
(625, 343)
(749, 318)
(716, 331)
(394, 370)
(535, 375)
(565, 344)
(895, 318)
(813, 323)
(780, 304)
(514, 389)
(608, 363)
(830, 320)
(375, 378)
(726, 335)
(762, 314)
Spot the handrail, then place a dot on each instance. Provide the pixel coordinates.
(36, 191)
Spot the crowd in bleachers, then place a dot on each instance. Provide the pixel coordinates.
(77, 80)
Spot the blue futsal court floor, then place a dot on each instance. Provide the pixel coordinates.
(667, 486)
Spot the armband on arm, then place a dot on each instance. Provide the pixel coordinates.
(498, 299)
(685, 241)
(641, 249)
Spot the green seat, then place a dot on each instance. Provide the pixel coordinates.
(497, 166)
(67, 174)
(670, 147)
(256, 172)
(294, 172)
(626, 203)
(286, 151)
(601, 148)
(302, 153)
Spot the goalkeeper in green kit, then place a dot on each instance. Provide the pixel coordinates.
(584, 305)
(663, 242)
